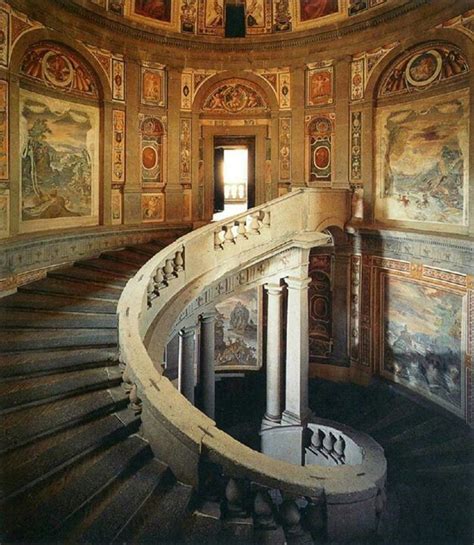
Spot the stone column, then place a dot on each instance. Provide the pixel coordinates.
(297, 353)
(274, 371)
(206, 358)
(186, 367)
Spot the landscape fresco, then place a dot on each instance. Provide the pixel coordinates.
(237, 334)
(423, 161)
(422, 339)
(59, 159)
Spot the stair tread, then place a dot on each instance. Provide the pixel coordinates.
(26, 425)
(14, 394)
(85, 275)
(75, 488)
(47, 361)
(52, 302)
(110, 518)
(20, 339)
(47, 319)
(108, 266)
(163, 522)
(126, 256)
(71, 287)
(34, 464)
(148, 248)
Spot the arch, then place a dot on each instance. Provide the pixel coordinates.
(37, 36)
(254, 82)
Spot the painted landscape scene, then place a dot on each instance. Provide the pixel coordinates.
(422, 339)
(236, 345)
(58, 158)
(424, 162)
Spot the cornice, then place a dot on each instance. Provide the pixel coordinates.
(116, 24)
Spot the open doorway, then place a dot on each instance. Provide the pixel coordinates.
(234, 176)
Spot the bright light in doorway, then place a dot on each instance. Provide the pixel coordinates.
(235, 166)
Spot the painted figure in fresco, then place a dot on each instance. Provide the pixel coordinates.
(216, 17)
(151, 208)
(239, 318)
(313, 9)
(156, 9)
(320, 86)
(254, 13)
(152, 87)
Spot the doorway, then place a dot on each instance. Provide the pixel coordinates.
(234, 175)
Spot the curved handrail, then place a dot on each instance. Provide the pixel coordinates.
(161, 289)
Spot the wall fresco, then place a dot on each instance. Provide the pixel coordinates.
(4, 148)
(422, 167)
(258, 16)
(4, 37)
(152, 150)
(285, 148)
(159, 10)
(319, 86)
(153, 207)
(118, 146)
(422, 343)
(60, 69)
(59, 143)
(116, 206)
(356, 146)
(320, 132)
(235, 96)
(238, 337)
(153, 85)
(211, 17)
(188, 15)
(4, 213)
(315, 9)
(320, 307)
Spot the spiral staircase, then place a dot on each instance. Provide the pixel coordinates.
(75, 469)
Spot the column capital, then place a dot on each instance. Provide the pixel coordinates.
(273, 288)
(208, 316)
(296, 283)
(187, 331)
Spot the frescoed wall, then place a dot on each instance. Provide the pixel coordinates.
(422, 339)
(315, 9)
(423, 164)
(238, 338)
(59, 142)
(159, 10)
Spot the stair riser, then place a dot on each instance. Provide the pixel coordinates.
(55, 303)
(41, 320)
(19, 343)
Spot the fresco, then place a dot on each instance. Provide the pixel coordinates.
(320, 131)
(60, 69)
(319, 88)
(320, 307)
(4, 148)
(4, 213)
(59, 142)
(153, 207)
(238, 338)
(422, 340)
(234, 96)
(159, 10)
(424, 68)
(153, 86)
(211, 17)
(423, 161)
(116, 206)
(152, 156)
(258, 16)
(314, 9)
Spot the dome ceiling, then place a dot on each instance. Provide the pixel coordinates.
(244, 18)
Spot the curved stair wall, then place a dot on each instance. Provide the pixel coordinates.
(180, 434)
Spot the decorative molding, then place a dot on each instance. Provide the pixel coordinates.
(356, 146)
(4, 134)
(285, 148)
(118, 146)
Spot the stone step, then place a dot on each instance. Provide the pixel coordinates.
(129, 257)
(16, 340)
(160, 522)
(119, 511)
(35, 465)
(147, 248)
(27, 425)
(401, 428)
(17, 394)
(55, 302)
(204, 525)
(402, 412)
(47, 319)
(125, 270)
(85, 275)
(64, 287)
(412, 434)
(37, 363)
(39, 516)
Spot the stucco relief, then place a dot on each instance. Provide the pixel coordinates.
(235, 96)
(422, 164)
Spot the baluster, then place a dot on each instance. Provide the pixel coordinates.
(218, 242)
(263, 511)
(291, 518)
(235, 499)
(159, 280)
(229, 235)
(179, 261)
(340, 447)
(315, 519)
(317, 439)
(266, 218)
(168, 269)
(254, 224)
(135, 401)
(150, 289)
(328, 442)
(241, 230)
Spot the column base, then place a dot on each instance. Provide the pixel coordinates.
(289, 418)
(269, 421)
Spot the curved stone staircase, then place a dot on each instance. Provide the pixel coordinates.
(75, 469)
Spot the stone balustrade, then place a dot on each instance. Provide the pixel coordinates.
(183, 436)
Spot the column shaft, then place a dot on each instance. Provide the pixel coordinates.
(186, 354)
(206, 356)
(297, 352)
(274, 371)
